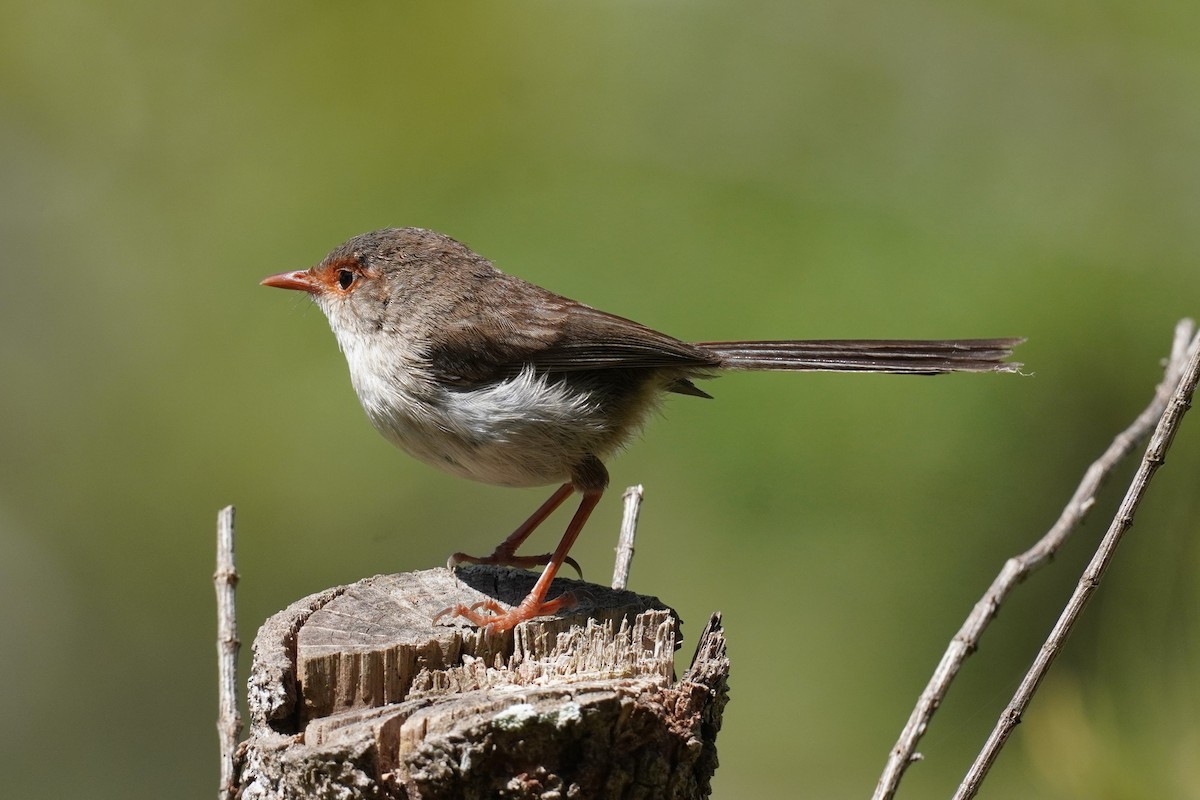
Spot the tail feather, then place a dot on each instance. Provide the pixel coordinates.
(904, 356)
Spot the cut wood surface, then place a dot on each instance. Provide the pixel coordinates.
(355, 693)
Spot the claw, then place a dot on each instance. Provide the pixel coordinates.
(511, 560)
(500, 619)
(471, 613)
(574, 565)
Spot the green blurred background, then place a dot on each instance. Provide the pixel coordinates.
(717, 170)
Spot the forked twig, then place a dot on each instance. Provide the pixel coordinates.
(1170, 400)
(1153, 458)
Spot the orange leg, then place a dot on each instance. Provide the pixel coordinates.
(535, 604)
(505, 553)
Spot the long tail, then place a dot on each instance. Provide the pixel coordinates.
(905, 356)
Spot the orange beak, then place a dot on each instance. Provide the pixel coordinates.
(302, 280)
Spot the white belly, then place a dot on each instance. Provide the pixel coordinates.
(524, 431)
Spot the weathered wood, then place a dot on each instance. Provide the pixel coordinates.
(229, 722)
(355, 694)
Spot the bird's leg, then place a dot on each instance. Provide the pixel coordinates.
(535, 603)
(505, 553)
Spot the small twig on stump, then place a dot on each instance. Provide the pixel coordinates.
(1016, 569)
(1153, 458)
(629, 523)
(229, 722)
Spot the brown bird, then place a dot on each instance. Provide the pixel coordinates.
(489, 377)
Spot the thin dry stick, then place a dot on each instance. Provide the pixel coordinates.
(629, 522)
(1153, 458)
(1016, 569)
(229, 722)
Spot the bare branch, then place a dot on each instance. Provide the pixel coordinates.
(1153, 458)
(629, 522)
(229, 722)
(1016, 569)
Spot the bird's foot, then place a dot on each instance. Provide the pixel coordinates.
(504, 558)
(497, 619)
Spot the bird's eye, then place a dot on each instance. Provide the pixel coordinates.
(345, 279)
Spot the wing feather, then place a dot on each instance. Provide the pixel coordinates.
(551, 334)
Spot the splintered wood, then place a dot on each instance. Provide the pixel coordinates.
(354, 691)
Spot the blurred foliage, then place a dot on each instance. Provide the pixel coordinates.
(753, 169)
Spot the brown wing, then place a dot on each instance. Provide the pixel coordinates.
(529, 326)
(593, 339)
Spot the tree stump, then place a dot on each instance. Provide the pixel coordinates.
(355, 694)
